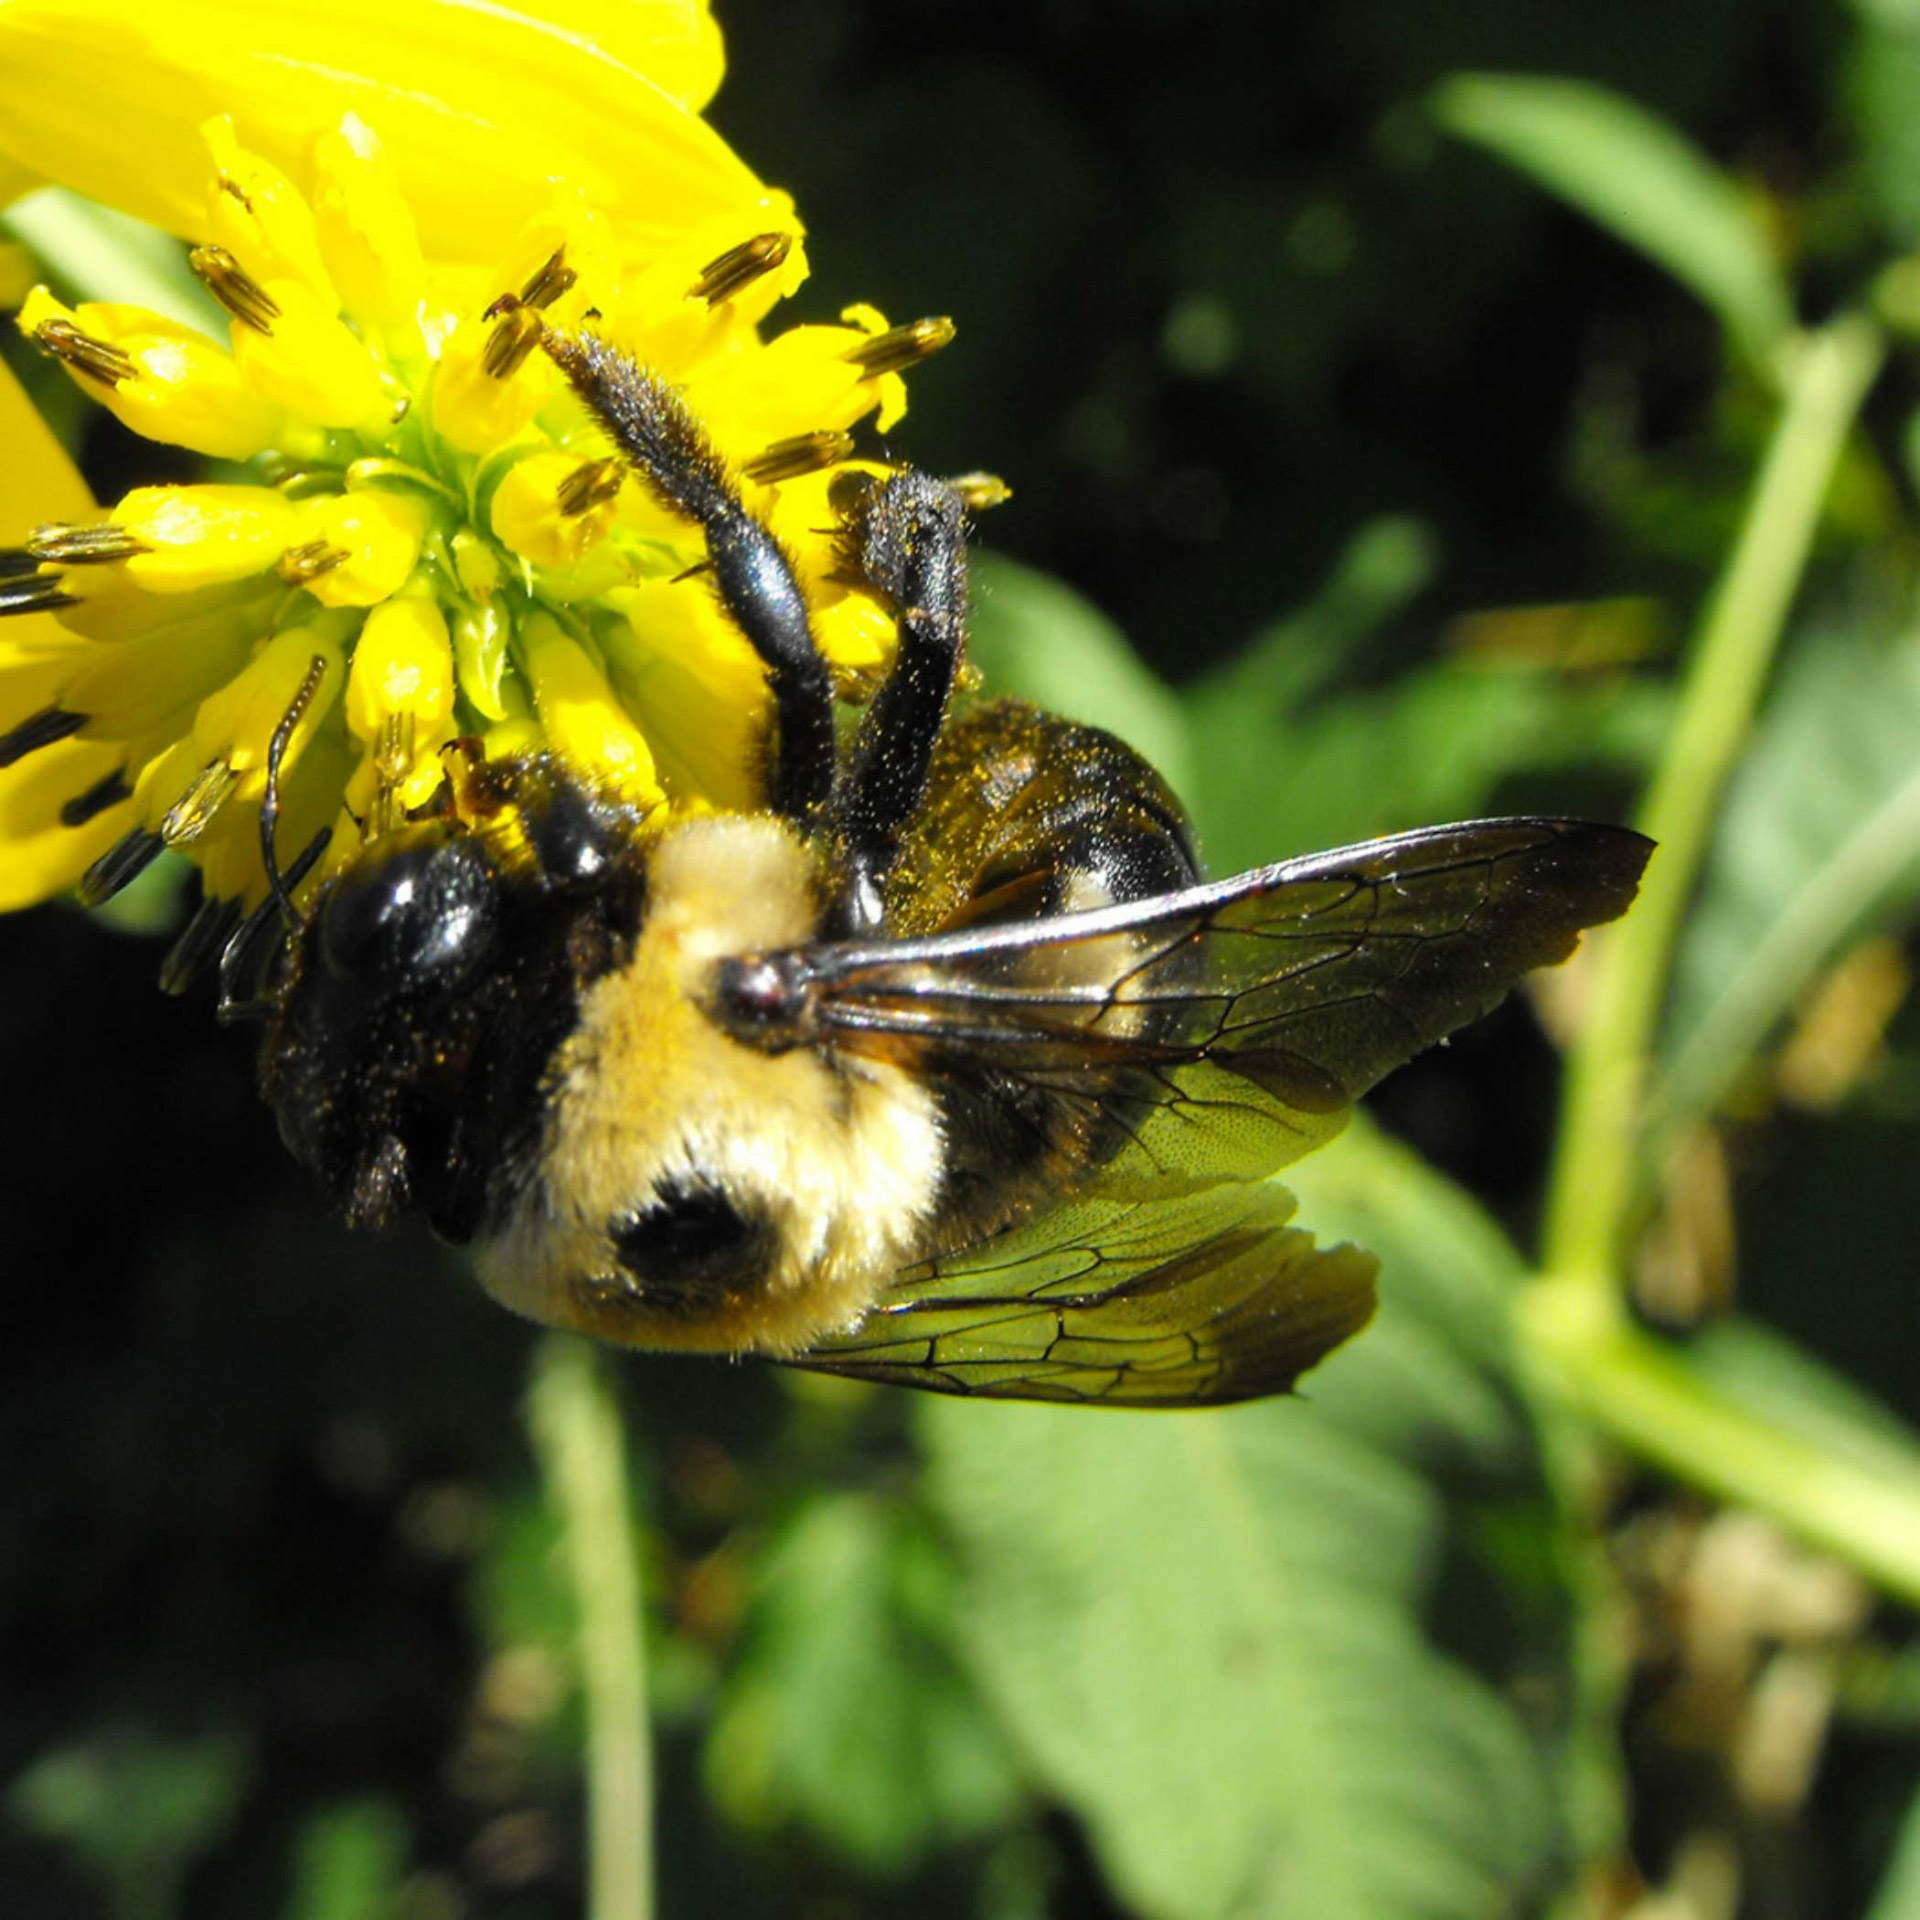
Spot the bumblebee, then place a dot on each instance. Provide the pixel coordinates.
(946, 1069)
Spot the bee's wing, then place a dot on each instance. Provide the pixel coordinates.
(1248, 1014)
(1203, 1298)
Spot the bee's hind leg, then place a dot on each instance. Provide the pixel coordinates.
(907, 537)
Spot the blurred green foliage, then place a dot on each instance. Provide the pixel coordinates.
(1377, 428)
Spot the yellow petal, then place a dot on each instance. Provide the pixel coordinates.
(378, 532)
(155, 682)
(585, 722)
(260, 217)
(237, 724)
(177, 387)
(479, 105)
(43, 856)
(697, 689)
(527, 513)
(201, 536)
(367, 231)
(310, 362)
(37, 481)
(472, 408)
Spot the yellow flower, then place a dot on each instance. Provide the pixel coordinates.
(436, 539)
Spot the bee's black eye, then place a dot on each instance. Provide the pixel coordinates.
(689, 1248)
(419, 915)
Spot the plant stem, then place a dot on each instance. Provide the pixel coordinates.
(581, 1443)
(1640, 1391)
(1595, 1187)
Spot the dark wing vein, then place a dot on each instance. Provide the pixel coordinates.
(1246, 1015)
(1198, 1301)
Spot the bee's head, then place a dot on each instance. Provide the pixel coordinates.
(419, 1004)
(390, 953)
(691, 1190)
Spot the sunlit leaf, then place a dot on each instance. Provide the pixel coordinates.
(1819, 841)
(1643, 181)
(1207, 1631)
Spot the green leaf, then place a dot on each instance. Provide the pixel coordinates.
(349, 1863)
(98, 254)
(1640, 179)
(1219, 1636)
(135, 1807)
(846, 1707)
(1898, 1895)
(1818, 843)
(1297, 760)
(1033, 636)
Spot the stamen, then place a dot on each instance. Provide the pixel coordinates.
(61, 544)
(299, 565)
(99, 359)
(206, 933)
(979, 491)
(34, 593)
(739, 267)
(38, 730)
(191, 815)
(236, 289)
(550, 280)
(589, 486)
(514, 337)
(122, 864)
(901, 347)
(229, 185)
(803, 453)
(97, 799)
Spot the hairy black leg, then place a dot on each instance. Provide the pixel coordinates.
(908, 538)
(653, 428)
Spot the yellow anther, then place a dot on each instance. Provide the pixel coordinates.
(83, 546)
(739, 267)
(802, 453)
(549, 280)
(302, 565)
(516, 332)
(980, 491)
(901, 347)
(197, 808)
(590, 486)
(97, 359)
(237, 290)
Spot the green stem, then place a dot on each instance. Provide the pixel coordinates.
(581, 1443)
(1595, 1186)
(1640, 1391)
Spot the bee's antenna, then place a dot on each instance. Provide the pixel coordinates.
(270, 800)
